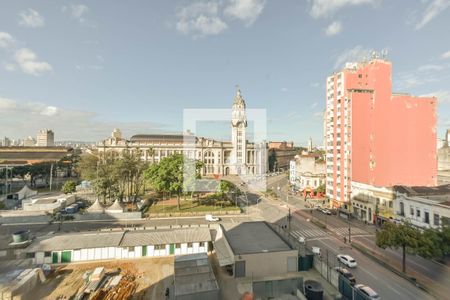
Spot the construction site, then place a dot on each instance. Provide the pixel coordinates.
(146, 278)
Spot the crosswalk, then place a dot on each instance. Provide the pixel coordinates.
(344, 231)
(318, 233)
(308, 233)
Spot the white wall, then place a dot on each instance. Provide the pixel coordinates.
(122, 252)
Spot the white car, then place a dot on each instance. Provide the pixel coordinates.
(347, 260)
(367, 291)
(211, 218)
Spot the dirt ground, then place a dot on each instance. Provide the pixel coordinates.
(153, 275)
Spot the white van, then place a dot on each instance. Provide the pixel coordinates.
(211, 218)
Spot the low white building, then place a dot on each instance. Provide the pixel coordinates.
(428, 207)
(371, 203)
(89, 246)
(50, 204)
(307, 171)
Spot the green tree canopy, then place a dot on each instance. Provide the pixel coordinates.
(69, 187)
(396, 236)
(168, 175)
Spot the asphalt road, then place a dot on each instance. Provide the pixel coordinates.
(436, 275)
(368, 272)
(42, 229)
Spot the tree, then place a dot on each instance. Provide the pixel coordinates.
(69, 187)
(224, 187)
(321, 188)
(168, 175)
(396, 236)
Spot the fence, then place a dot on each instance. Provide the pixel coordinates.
(194, 213)
(324, 264)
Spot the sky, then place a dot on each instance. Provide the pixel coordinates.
(82, 68)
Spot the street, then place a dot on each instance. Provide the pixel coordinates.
(329, 239)
(368, 272)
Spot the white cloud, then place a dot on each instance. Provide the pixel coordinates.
(67, 124)
(49, 111)
(78, 11)
(284, 89)
(426, 68)
(422, 75)
(245, 10)
(315, 84)
(88, 67)
(446, 55)
(6, 40)
(28, 63)
(354, 54)
(31, 18)
(314, 105)
(200, 19)
(7, 104)
(325, 8)
(334, 28)
(433, 10)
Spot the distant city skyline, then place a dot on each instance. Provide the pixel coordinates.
(83, 69)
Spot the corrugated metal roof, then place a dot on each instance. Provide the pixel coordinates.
(77, 241)
(119, 239)
(134, 238)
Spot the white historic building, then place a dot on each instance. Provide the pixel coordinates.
(238, 156)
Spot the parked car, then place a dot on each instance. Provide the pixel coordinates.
(326, 211)
(367, 291)
(347, 260)
(347, 274)
(211, 218)
(316, 251)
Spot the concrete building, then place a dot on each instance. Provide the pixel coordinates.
(17, 156)
(423, 207)
(6, 142)
(45, 138)
(280, 155)
(246, 245)
(307, 172)
(194, 278)
(89, 246)
(29, 142)
(372, 204)
(48, 204)
(365, 122)
(238, 156)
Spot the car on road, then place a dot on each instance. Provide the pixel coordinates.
(347, 260)
(367, 291)
(326, 211)
(211, 218)
(347, 274)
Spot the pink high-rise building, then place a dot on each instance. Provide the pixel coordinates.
(376, 137)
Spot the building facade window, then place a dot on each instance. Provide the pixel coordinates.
(436, 219)
(418, 213)
(427, 217)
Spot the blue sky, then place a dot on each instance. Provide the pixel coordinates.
(84, 67)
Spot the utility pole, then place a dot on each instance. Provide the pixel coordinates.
(6, 180)
(349, 229)
(51, 176)
(289, 217)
